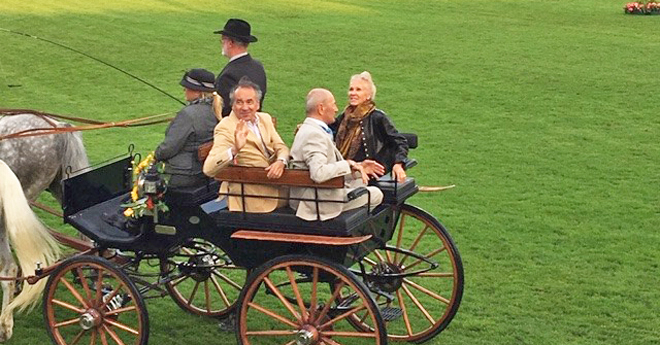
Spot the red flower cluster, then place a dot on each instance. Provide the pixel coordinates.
(642, 8)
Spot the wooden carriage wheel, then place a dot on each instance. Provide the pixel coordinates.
(418, 307)
(294, 300)
(90, 301)
(210, 284)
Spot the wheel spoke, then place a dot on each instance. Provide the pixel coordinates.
(369, 261)
(104, 339)
(279, 295)
(120, 326)
(419, 305)
(67, 323)
(74, 292)
(99, 288)
(349, 334)
(315, 283)
(296, 292)
(109, 297)
(379, 256)
(228, 281)
(329, 341)
(273, 314)
(113, 335)
(402, 305)
(400, 235)
(344, 315)
(120, 310)
(334, 296)
(68, 306)
(207, 296)
(179, 281)
(92, 341)
(192, 294)
(428, 256)
(389, 257)
(77, 338)
(218, 288)
(426, 291)
(83, 281)
(270, 332)
(414, 244)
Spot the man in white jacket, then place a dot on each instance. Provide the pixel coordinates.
(314, 149)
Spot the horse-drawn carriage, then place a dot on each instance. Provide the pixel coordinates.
(363, 277)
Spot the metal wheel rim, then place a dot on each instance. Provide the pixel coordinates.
(77, 312)
(434, 321)
(314, 318)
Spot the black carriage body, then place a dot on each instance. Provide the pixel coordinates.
(94, 198)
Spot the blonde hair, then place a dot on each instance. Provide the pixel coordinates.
(217, 105)
(366, 76)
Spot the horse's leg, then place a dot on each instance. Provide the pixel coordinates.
(8, 268)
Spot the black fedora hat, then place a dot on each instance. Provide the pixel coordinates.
(198, 79)
(238, 29)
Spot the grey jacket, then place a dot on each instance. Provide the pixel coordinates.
(191, 127)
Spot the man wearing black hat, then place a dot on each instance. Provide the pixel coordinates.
(191, 127)
(235, 40)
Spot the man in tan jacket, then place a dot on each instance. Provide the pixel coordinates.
(248, 138)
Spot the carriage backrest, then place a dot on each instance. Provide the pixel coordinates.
(97, 185)
(411, 138)
(290, 177)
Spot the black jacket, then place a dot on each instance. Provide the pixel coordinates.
(233, 72)
(382, 141)
(191, 127)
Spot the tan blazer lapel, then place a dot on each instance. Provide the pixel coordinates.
(265, 137)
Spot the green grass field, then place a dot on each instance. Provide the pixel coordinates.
(544, 114)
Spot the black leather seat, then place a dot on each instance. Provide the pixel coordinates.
(284, 220)
(192, 196)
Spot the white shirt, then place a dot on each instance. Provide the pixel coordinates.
(323, 125)
(237, 56)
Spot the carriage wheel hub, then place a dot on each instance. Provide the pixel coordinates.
(308, 335)
(383, 281)
(90, 319)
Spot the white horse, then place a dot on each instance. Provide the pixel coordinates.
(32, 243)
(39, 163)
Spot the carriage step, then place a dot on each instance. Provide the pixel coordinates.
(390, 313)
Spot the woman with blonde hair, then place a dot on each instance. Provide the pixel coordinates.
(366, 132)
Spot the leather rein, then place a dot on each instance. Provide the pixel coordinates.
(89, 124)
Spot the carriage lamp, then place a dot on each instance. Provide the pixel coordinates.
(150, 182)
(38, 270)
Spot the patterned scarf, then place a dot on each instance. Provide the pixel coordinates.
(349, 134)
(202, 100)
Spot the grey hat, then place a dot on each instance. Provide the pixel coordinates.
(198, 79)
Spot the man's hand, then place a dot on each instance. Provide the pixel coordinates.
(373, 168)
(275, 170)
(398, 173)
(358, 167)
(240, 136)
